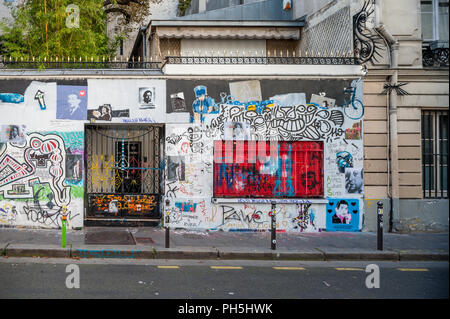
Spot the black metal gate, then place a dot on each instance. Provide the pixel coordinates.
(123, 172)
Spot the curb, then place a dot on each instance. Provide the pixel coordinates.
(423, 256)
(387, 256)
(32, 251)
(212, 253)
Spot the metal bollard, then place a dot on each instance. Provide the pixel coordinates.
(167, 230)
(273, 236)
(64, 224)
(380, 225)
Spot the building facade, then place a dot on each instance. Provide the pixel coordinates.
(237, 121)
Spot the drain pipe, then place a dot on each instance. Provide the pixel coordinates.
(392, 149)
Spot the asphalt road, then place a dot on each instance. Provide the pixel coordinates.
(168, 279)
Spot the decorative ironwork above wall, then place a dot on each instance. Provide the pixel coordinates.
(366, 44)
(263, 60)
(80, 64)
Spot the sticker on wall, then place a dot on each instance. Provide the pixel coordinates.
(289, 99)
(74, 167)
(178, 102)
(12, 133)
(343, 160)
(105, 113)
(353, 133)
(71, 102)
(40, 97)
(147, 98)
(322, 101)
(176, 168)
(11, 98)
(236, 131)
(287, 5)
(246, 91)
(342, 214)
(354, 182)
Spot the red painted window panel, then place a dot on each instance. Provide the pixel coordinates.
(268, 169)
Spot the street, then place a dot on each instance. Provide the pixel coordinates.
(216, 279)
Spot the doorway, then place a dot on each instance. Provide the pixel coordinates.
(123, 166)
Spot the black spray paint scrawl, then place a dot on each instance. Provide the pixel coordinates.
(40, 97)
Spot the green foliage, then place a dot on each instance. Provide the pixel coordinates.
(4, 252)
(39, 30)
(182, 6)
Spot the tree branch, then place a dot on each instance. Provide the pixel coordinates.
(119, 10)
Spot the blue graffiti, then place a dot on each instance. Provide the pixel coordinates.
(344, 159)
(107, 253)
(203, 103)
(186, 207)
(289, 189)
(257, 106)
(11, 98)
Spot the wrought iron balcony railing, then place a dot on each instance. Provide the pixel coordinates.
(435, 56)
(54, 63)
(261, 60)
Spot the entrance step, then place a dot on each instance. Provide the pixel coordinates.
(99, 222)
(95, 236)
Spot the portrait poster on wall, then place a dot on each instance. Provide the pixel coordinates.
(147, 98)
(71, 102)
(342, 214)
(12, 133)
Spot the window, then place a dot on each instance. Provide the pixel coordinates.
(434, 20)
(268, 169)
(435, 154)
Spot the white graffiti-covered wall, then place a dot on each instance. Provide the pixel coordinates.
(190, 163)
(36, 181)
(42, 150)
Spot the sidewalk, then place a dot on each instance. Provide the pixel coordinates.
(149, 243)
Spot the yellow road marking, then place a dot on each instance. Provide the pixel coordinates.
(225, 267)
(289, 268)
(349, 269)
(168, 267)
(412, 269)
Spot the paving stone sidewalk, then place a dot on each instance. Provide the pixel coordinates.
(149, 242)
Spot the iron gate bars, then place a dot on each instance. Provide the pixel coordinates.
(123, 170)
(435, 154)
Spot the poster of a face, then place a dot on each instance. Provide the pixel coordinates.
(12, 134)
(103, 113)
(236, 131)
(354, 181)
(74, 167)
(147, 98)
(175, 168)
(342, 214)
(71, 102)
